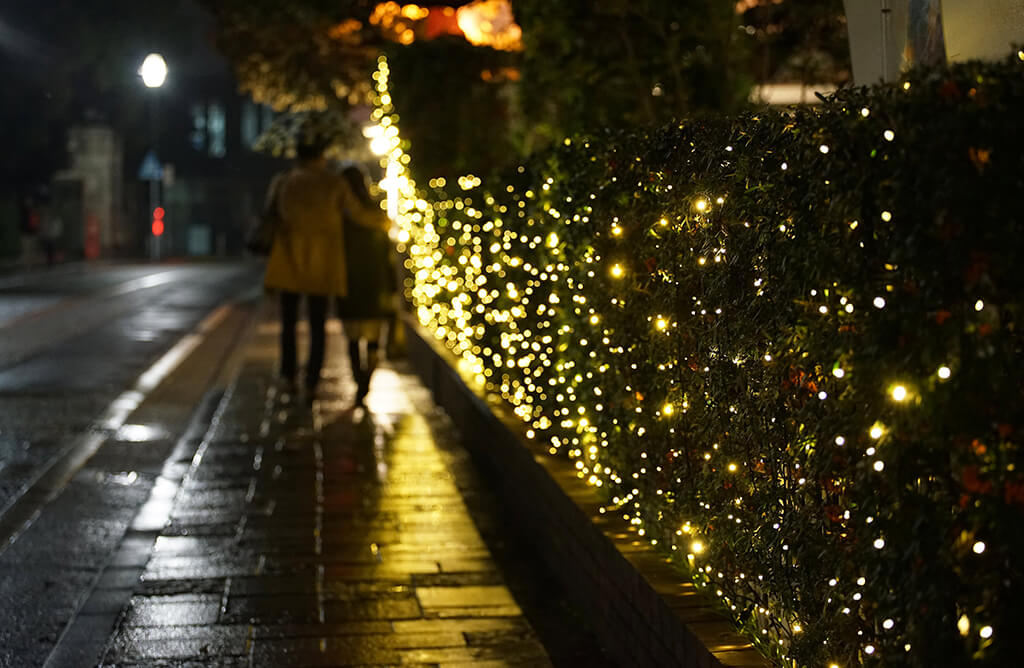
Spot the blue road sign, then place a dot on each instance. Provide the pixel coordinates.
(151, 169)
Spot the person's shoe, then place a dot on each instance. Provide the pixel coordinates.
(286, 384)
(362, 389)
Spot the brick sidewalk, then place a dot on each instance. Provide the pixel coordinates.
(322, 537)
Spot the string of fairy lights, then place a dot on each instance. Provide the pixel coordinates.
(491, 279)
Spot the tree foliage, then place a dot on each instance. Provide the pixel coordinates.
(464, 108)
(297, 56)
(796, 40)
(592, 65)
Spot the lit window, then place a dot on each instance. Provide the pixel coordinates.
(198, 135)
(216, 128)
(250, 127)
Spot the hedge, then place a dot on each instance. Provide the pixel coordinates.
(786, 346)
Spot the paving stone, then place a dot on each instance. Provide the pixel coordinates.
(519, 654)
(282, 631)
(478, 578)
(488, 611)
(319, 652)
(465, 596)
(406, 607)
(272, 609)
(464, 625)
(181, 610)
(185, 642)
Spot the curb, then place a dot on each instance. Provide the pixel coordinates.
(646, 613)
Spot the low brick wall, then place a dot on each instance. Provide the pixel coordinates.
(640, 605)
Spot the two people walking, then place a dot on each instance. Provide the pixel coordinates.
(330, 242)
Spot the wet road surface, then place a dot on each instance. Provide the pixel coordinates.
(246, 527)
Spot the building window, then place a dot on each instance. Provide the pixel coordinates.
(198, 135)
(216, 129)
(250, 124)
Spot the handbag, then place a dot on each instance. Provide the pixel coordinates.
(261, 237)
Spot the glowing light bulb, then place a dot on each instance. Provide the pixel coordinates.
(617, 271)
(945, 372)
(879, 543)
(869, 649)
(889, 135)
(668, 409)
(979, 547)
(696, 547)
(701, 205)
(985, 632)
(876, 431)
(979, 305)
(963, 625)
(823, 148)
(838, 373)
(886, 216)
(898, 393)
(879, 302)
(888, 624)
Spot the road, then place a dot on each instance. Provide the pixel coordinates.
(81, 349)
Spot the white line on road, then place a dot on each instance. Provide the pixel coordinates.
(26, 506)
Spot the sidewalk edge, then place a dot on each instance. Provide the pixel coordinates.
(639, 603)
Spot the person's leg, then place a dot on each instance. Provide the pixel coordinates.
(289, 316)
(372, 355)
(317, 308)
(354, 359)
(373, 333)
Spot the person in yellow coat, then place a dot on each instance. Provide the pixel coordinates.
(307, 258)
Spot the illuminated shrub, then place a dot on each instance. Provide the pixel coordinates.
(786, 347)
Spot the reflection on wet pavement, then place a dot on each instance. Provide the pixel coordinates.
(322, 536)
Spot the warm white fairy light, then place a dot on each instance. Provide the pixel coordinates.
(494, 280)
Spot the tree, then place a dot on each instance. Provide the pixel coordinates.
(797, 40)
(581, 66)
(591, 65)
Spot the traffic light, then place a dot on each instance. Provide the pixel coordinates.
(158, 221)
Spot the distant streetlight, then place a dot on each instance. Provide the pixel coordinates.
(153, 70)
(154, 73)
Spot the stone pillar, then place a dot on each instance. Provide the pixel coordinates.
(983, 29)
(96, 160)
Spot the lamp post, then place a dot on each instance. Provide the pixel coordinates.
(153, 72)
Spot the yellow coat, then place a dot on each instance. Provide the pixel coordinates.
(308, 253)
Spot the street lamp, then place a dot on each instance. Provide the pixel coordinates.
(153, 72)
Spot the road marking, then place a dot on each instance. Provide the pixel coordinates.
(140, 283)
(26, 506)
(38, 330)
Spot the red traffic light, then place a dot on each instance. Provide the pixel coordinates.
(158, 213)
(158, 226)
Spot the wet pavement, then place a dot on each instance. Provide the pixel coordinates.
(312, 534)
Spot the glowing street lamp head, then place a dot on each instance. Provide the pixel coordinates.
(153, 70)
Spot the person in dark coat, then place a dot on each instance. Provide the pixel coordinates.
(370, 303)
